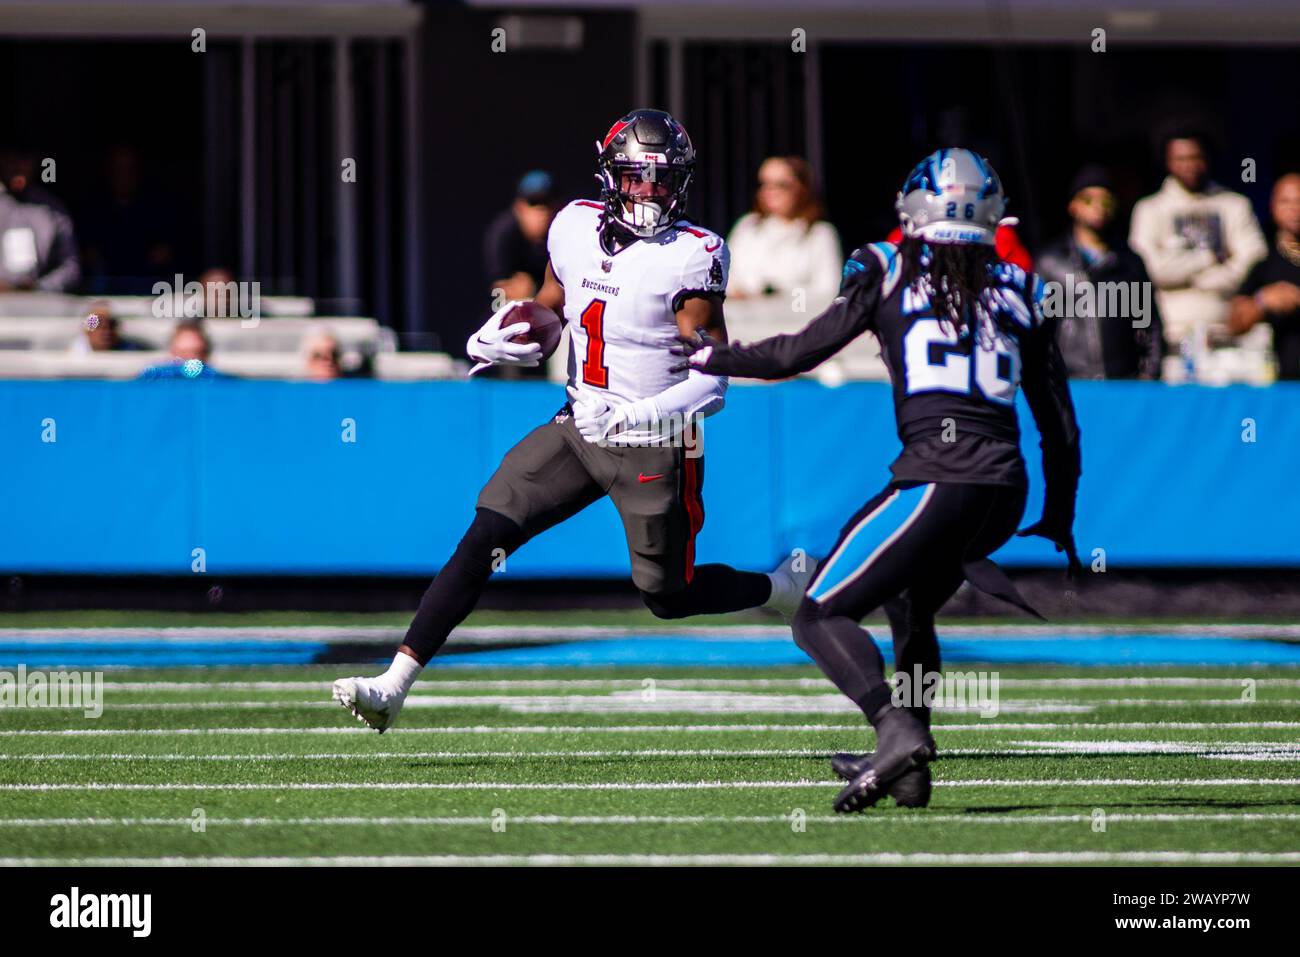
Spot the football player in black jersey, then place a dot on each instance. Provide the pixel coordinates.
(960, 332)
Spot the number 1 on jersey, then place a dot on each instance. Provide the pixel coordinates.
(594, 370)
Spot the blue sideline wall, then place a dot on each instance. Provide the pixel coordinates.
(257, 474)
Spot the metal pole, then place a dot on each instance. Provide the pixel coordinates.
(812, 111)
(248, 160)
(345, 192)
(413, 231)
(676, 81)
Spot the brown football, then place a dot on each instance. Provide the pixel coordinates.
(544, 325)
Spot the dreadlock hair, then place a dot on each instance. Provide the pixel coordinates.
(954, 276)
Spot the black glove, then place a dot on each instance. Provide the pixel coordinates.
(1059, 532)
(700, 352)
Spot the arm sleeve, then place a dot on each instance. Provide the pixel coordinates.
(780, 357)
(1047, 390)
(63, 270)
(697, 396)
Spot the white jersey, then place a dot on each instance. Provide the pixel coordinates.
(620, 308)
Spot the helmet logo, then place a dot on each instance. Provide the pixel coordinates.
(614, 130)
(649, 159)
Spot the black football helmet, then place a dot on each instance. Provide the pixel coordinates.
(653, 147)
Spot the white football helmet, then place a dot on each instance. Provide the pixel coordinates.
(952, 196)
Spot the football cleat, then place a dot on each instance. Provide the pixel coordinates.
(909, 789)
(789, 584)
(903, 745)
(371, 702)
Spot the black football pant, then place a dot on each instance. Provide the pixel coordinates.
(907, 549)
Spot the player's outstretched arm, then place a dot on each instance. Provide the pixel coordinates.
(778, 357)
(1047, 389)
(783, 356)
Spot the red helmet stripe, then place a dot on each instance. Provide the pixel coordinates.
(614, 130)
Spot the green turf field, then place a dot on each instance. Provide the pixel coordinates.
(649, 765)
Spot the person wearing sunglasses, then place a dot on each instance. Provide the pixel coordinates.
(783, 247)
(1096, 345)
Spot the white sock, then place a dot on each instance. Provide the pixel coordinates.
(401, 674)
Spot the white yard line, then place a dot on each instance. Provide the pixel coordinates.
(1146, 747)
(489, 634)
(477, 755)
(637, 785)
(1253, 750)
(668, 700)
(678, 860)
(857, 727)
(662, 701)
(616, 820)
(434, 685)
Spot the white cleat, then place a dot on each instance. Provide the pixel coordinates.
(789, 582)
(371, 702)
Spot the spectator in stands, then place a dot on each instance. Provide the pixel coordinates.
(322, 353)
(38, 247)
(130, 234)
(1198, 241)
(220, 293)
(783, 246)
(22, 179)
(1271, 292)
(103, 333)
(514, 251)
(1099, 346)
(190, 349)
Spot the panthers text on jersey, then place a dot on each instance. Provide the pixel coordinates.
(621, 307)
(954, 392)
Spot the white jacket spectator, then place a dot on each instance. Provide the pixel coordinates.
(783, 248)
(1198, 245)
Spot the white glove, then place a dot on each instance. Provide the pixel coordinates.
(597, 420)
(491, 345)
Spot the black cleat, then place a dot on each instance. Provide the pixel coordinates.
(903, 745)
(909, 789)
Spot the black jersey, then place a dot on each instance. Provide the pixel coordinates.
(954, 394)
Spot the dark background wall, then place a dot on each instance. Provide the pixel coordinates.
(1039, 111)
(72, 99)
(490, 117)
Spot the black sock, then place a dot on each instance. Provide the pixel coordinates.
(456, 590)
(846, 655)
(916, 651)
(714, 589)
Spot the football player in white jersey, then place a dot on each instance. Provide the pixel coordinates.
(629, 274)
